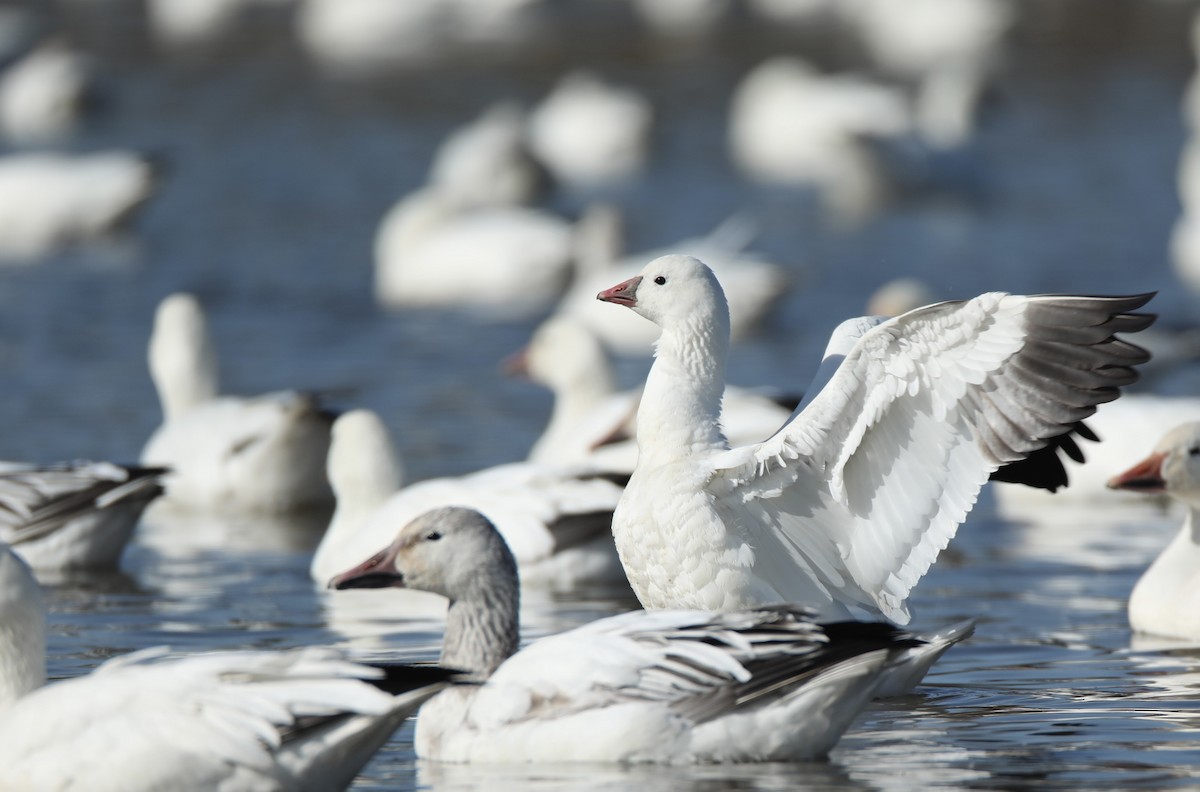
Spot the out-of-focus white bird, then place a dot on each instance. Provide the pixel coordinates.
(487, 162)
(73, 515)
(43, 95)
(590, 133)
(229, 453)
(48, 201)
(556, 519)
(792, 126)
(432, 250)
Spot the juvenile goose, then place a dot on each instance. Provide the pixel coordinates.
(1166, 599)
(557, 520)
(232, 454)
(849, 503)
(296, 720)
(75, 514)
(671, 686)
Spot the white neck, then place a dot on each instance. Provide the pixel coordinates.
(574, 402)
(680, 411)
(183, 364)
(22, 630)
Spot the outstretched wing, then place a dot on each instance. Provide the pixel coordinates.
(867, 484)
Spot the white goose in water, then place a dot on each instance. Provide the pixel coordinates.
(557, 520)
(672, 686)
(262, 454)
(850, 502)
(73, 515)
(305, 719)
(1166, 600)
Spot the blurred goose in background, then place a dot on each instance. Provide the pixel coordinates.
(673, 686)
(487, 162)
(949, 48)
(49, 201)
(361, 36)
(601, 259)
(229, 453)
(73, 515)
(299, 719)
(1166, 599)
(556, 520)
(592, 423)
(432, 250)
(850, 502)
(590, 133)
(43, 95)
(792, 126)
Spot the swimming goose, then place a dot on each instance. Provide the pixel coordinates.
(300, 719)
(72, 515)
(229, 454)
(1166, 599)
(432, 249)
(487, 162)
(43, 94)
(671, 686)
(590, 133)
(849, 503)
(556, 520)
(50, 201)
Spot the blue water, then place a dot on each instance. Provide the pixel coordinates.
(276, 179)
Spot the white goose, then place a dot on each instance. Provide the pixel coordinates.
(590, 133)
(73, 515)
(263, 454)
(486, 162)
(1166, 600)
(432, 249)
(671, 686)
(556, 520)
(297, 720)
(43, 94)
(850, 502)
(50, 201)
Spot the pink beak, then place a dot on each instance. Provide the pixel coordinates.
(624, 293)
(516, 364)
(1145, 476)
(378, 571)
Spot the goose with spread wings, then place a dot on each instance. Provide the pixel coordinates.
(850, 502)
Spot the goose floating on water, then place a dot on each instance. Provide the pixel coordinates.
(556, 519)
(767, 684)
(299, 719)
(73, 515)
(1166, 599)
(260, 454)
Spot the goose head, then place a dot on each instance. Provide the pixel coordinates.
(1173, 467)
(673, 290)
(452, 551)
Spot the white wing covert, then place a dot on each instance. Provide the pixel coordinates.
(868, 483)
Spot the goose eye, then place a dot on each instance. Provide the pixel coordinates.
(660, 280)
(1194, 451)
(433, 536)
